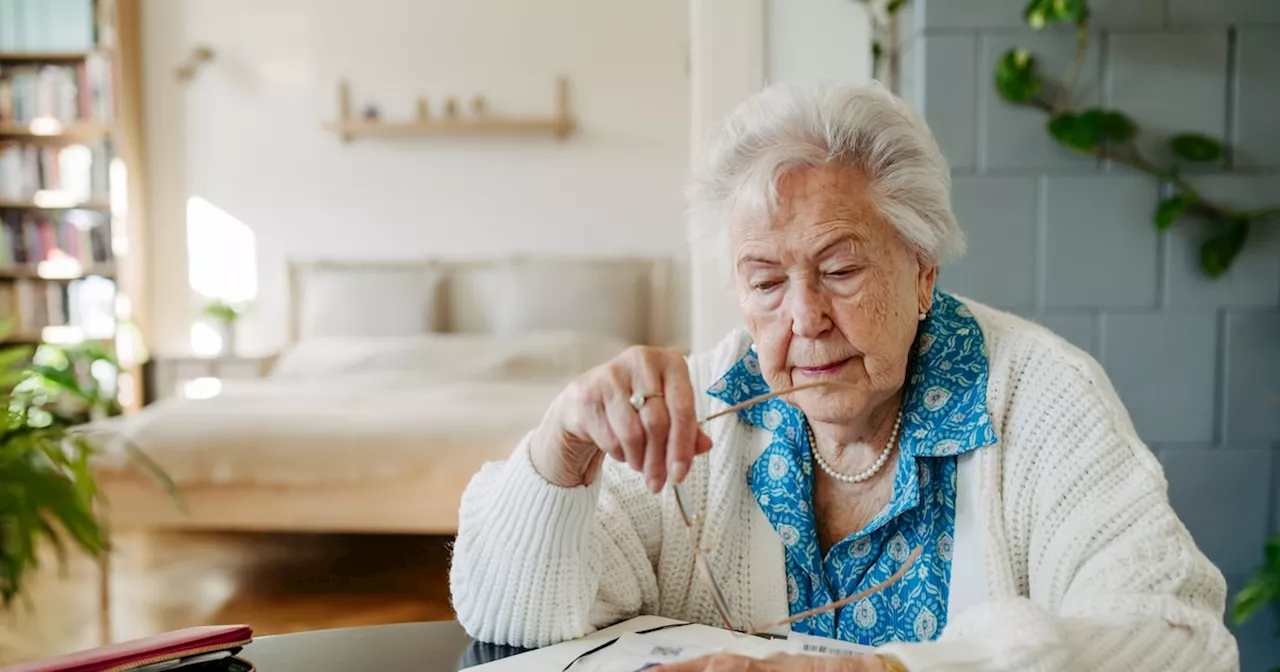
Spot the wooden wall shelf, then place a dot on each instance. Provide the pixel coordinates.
(350, 127)
(31, 272)
(40, 57)
(77, 131)
(100, 206)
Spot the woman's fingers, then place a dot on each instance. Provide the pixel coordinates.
(704, 443)
(656, 422)
(629, 431)
(682, 438)
(648, 372)
(595, 422)
(661, 437)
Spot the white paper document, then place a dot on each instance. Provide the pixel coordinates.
(633, 649)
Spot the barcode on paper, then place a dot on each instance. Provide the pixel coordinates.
(824, 650)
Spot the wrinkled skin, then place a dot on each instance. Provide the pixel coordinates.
(830, 291)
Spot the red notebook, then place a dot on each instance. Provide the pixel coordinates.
(137, 653)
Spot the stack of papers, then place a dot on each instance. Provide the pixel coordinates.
(645, 641)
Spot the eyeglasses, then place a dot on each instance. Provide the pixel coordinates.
(693, 524)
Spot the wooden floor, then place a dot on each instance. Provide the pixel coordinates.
(273, 582)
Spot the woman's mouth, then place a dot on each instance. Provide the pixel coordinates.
(822, 370)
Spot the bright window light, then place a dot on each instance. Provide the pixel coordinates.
(221, 254)
(222, 265)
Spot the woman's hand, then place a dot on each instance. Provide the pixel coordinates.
(723, 662)
(593, 417)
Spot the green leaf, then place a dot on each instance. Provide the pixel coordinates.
(1220, 250)
(1017, 78)
(1169, 210)
(1262, 589)
(1040, 13)
(1115, 127)
(1195, 147)
(1075, 131)
(894, 6)
(1091, 128)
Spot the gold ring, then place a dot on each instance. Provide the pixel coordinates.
(637, 400)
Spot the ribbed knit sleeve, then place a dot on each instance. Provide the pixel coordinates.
(1089, 566)
(535, 564)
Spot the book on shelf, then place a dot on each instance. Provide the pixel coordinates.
(48, 25)
(69, 93)
(86, 306)
(77, 238)
(63, 174)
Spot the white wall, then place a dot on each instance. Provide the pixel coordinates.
(738, 46)
(817, 41)
(245, 135)
(727, 47)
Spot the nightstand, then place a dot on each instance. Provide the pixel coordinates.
(196, 377)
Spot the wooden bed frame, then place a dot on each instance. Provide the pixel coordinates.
(425, 503)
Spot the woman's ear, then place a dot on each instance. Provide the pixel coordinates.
(926, 280)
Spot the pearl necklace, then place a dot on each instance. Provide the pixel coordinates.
(859, 477)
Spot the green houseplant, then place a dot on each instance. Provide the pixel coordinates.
(1263, 589)
(1104, 133)
(48, 492)
(1110, 134)
(225, 314)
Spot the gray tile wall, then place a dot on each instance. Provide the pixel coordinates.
(1068, 241)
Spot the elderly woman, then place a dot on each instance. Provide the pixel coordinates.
(984, 451)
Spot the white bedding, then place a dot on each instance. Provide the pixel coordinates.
(354, 408)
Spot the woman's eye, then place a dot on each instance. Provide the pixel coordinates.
(764, 285)
(842, 273)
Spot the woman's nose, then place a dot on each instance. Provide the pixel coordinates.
(810, 311)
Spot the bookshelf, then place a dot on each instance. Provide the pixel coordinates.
(71, 178)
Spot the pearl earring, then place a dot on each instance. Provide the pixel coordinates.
(923, 315)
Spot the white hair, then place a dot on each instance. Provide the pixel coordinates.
(863, 127)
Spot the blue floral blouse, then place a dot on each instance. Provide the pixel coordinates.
(945, 415)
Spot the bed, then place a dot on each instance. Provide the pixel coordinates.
(397, 382)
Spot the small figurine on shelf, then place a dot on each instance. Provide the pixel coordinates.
(451, 107)
(371, 112)
(424, 112)
(478, 106)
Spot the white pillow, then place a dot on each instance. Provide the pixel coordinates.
(448, 357)
(393, 300)
(596, 297)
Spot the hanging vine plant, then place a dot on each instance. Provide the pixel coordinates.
(1110, 134)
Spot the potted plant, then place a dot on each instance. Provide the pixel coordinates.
(48, 491)
(225, 315)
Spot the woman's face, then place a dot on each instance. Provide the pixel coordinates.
(830, 292)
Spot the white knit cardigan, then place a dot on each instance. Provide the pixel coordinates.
(1067, 554)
